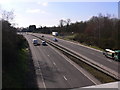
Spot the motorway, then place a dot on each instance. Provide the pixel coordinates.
(54, 70)
(92, 54)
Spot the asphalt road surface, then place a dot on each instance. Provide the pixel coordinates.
(94, 55)
(53, 70)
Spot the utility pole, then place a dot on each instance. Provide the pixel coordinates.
(118, 29)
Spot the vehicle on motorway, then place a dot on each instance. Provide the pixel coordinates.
(44, 43)
(35, 42)
(55, 33)
(112, 54)
(42, 35)
(54, 39)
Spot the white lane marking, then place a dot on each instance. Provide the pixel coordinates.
(42, 79)
(76, 43)
(65, 78)
(41, 75)
(81, 72)
(37, 63)
(54, 63)
(73, 64)
(48, 55)
(109, 60)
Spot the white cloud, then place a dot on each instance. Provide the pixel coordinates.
(5, 1)
(33, 11)
(36, 11)
(21, 20)
(43, 3)
(43, 12)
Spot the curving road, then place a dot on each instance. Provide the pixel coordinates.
(54, 70)
(92, 54)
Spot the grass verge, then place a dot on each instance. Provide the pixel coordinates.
(20, 74)
(14, 77)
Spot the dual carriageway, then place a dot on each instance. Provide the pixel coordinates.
(55, 70)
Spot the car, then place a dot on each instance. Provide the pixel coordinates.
(44, 43)
(54, 39)
(42, 35)
(35, 42)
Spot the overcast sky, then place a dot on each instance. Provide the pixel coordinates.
(49, 13)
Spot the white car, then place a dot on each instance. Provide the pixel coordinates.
(44, 43)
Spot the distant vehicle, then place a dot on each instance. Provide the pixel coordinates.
(44, 43)
(35, 42)
(112, 54)
(54, 39)
(55, 33)
(42, 35)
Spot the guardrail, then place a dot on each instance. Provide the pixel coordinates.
(88, 61)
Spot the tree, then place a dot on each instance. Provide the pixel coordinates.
(61, 22)
(7, 15)
(32, 28)
(68, 22)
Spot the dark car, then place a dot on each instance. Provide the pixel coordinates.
(54, 39)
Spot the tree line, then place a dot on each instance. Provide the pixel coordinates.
(102, 31)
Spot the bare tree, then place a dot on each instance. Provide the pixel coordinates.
(61, 22)
(7, 15)
(68, 22)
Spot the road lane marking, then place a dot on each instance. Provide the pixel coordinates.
(48, 55)
(71, 62)
(40, 71)
(74, 64)
(109, 60)
(54, 63)
(65, 78)
(76, 43)
(42, 78)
